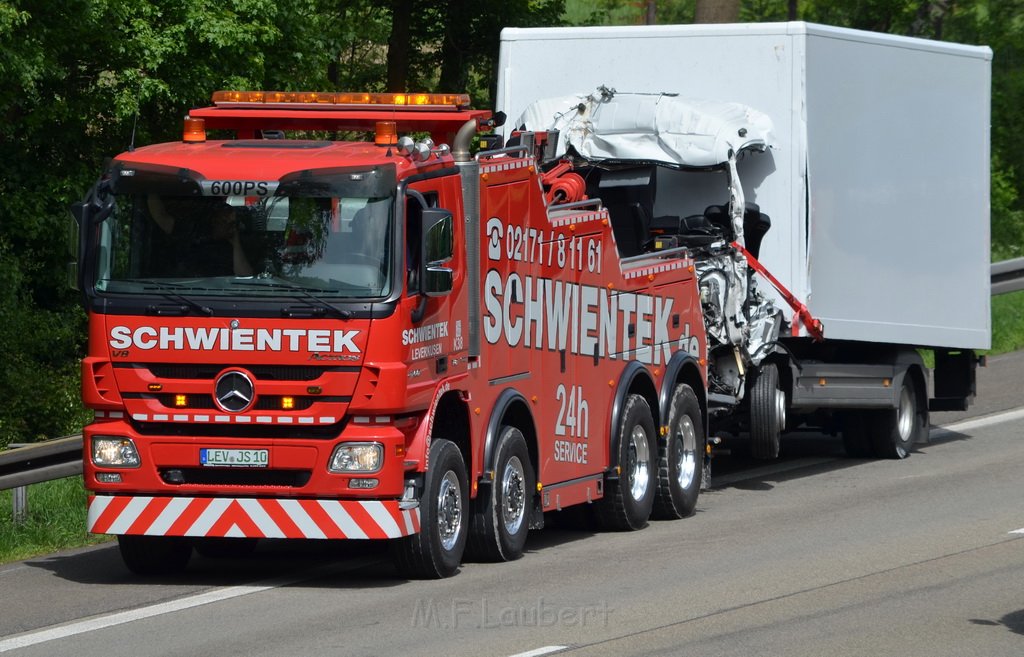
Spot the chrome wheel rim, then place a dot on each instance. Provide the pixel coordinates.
(780, 409)
(905, 419)
(513, 495)
(686, 452)
(638, 459)
(449, 510)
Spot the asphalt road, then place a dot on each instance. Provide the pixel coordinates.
(813, 554)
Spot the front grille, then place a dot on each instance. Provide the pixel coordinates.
(262, 372)
(235, 477)
(217, 430)
(263, 402)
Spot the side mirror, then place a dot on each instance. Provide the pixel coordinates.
(437, 281)
(438, 248)
(438, 235)
(88, 213)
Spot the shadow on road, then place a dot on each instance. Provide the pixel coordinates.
(802, 454)
(1014, 622)
(359, 564)
(271, 559)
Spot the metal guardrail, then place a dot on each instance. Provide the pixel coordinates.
(38, 462)
(1008, 276)
(62, 457)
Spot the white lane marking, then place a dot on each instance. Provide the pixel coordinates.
(120, 618)
(1018, 531)
(546, 650)
(977, 423)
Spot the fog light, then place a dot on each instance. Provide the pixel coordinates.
(356, 457)
(363, 483)
(287, 403)
(180, 401)
(114, 452)
(108, 477)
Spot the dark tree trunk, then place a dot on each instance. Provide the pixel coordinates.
(398, 45)
(717, 11)
(456, 47)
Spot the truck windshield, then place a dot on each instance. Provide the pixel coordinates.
(327, 246)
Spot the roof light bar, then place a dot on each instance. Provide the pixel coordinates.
(330, 98)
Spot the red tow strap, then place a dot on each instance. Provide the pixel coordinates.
(813, 326)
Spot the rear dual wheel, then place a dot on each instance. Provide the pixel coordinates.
(891, 433)
(502, 517)
(680, 460)
(894, 432)
(629, 499)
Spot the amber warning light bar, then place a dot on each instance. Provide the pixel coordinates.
(336, 100)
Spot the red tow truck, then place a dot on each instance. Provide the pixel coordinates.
(293, 337)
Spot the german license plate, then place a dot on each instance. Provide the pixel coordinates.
(234, 458)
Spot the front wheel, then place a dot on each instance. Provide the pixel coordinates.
(629, 498)
(680, 466)
(152, 556)
(436, 551)
(502, 518)
(767, 413)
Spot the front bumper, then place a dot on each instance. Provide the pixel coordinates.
(249, 517)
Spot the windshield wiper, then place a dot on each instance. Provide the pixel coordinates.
(319, 304)
(162, 288)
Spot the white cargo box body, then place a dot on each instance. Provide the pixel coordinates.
(878, 185)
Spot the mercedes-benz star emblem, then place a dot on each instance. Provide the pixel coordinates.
(234, 391)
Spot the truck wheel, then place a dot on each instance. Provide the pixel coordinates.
(436, 551)
(680, 463)
(767, 413)
(502, 518)
(154, 555)
(628, 499)
(856, 434)
(895, 432)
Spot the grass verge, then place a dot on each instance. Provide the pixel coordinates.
(55, 521)
(1007, 322)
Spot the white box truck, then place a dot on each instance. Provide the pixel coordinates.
(868, 156)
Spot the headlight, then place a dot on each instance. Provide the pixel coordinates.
(357, 457)
(114, 452)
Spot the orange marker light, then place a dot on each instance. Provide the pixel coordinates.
(195, 131)
(386, 133)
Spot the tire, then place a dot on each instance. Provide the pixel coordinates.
(856, 434)
(894, 432)
(629, 498)
(152, 556)
(225, 548)
(767, 413)
(502, 518)
(436, 551)
(680, 457)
